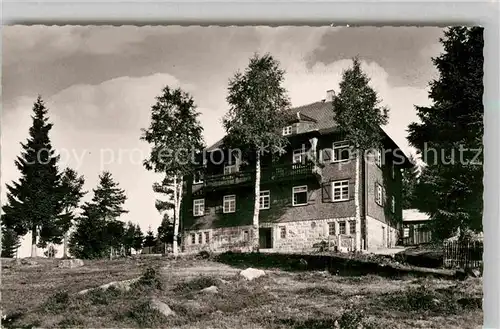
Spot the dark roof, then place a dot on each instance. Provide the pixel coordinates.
(319, 112)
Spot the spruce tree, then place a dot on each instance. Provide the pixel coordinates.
(138, 241)
(450, 134)
(166, 231)
(34, 202)
(98, 230)
(10, 242)
(359, 117)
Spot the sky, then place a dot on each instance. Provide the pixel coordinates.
(99, 83)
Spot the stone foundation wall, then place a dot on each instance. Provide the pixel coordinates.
(220, 239)
(380, 235)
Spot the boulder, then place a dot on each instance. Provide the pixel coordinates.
(120, 285)
(252, 273)
(211, 290)
(71, 263)
(161, 307)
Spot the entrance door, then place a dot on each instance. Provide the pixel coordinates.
(265, 238)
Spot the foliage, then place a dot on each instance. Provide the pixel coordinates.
(409, 182)
(72, 192)
(98, 229)
(51, 252)
(450, 188)
(34, 202)
(166, 230)
(175, 136)
(258, 111)
(133, 238)
(357, 109)
(149, 240)
(10, 242)
(150, 279)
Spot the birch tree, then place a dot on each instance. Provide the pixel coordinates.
(359, 117)
(175, 135)
(258, 105)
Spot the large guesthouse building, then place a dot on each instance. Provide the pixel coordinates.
(307, 194)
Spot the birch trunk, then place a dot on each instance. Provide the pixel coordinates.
(65, 245)
(177, 211)
(356, 205)
(33, 241)
(256, 209)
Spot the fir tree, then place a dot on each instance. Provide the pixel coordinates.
(450, 188)
(149, 240)
(175, 134)
(359, 116)
(166, 231)
(258, 105)
(138, 241)
(98, 230)
(34, 202)
(10, 242)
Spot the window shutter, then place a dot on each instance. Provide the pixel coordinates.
(375, 193)
(326, 155)
(326, 190)
(351, 190)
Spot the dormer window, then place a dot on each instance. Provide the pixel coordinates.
(287, 130)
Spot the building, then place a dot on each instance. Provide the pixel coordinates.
(414, 228)
(307, 196)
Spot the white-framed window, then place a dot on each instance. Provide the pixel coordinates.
(200, 238)
(406, 232)
(342, 227)
(229, 204)
(352, 227)
(229, 169)
(340, 190)
(193, 238)
(299, 195)
(198, 207)
(265, 200)
(207, 237)
(393, 204)
(282, 232)
(379, 194)
(287, 130)
(198, 177)
(341, 151)
(378, 157)
(299, 156)
(331, 228)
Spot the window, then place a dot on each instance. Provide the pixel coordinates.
(198, 177)
(207, 237)
(299, 195)
(287, 130)
(199, 207)
(282, 232)
(229, 204)
(200, 238)
(393, 204)
(406, 232)
(342, 228)
(193, 238)
(340, 190)
(264, 200)
(299, 156)
(341, 151)
(229, 169)
(378, 194)
(352, 227)
(246, 236)
(378, 158)
(331, 228)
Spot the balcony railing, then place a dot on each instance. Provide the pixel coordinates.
(268, 174)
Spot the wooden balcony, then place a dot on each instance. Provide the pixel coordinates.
(277, 173)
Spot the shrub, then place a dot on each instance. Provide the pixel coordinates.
(145, 316)
(57, 302)
(149, 279)
(70, 322)
(196, 284)
(351, 319)
(203, 255)
(103, 296)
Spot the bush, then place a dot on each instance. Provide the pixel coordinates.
(149, 279)
(70, 322)
(203, 255)
(351, 319)
(57, 302)
(145, 316)
(101, 296)
(196, 284)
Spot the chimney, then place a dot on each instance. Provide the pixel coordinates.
(329, 95)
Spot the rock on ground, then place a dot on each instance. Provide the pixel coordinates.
(252, 273)
(211, 289)
(120, 285)
(161, 307)
(70, 263)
